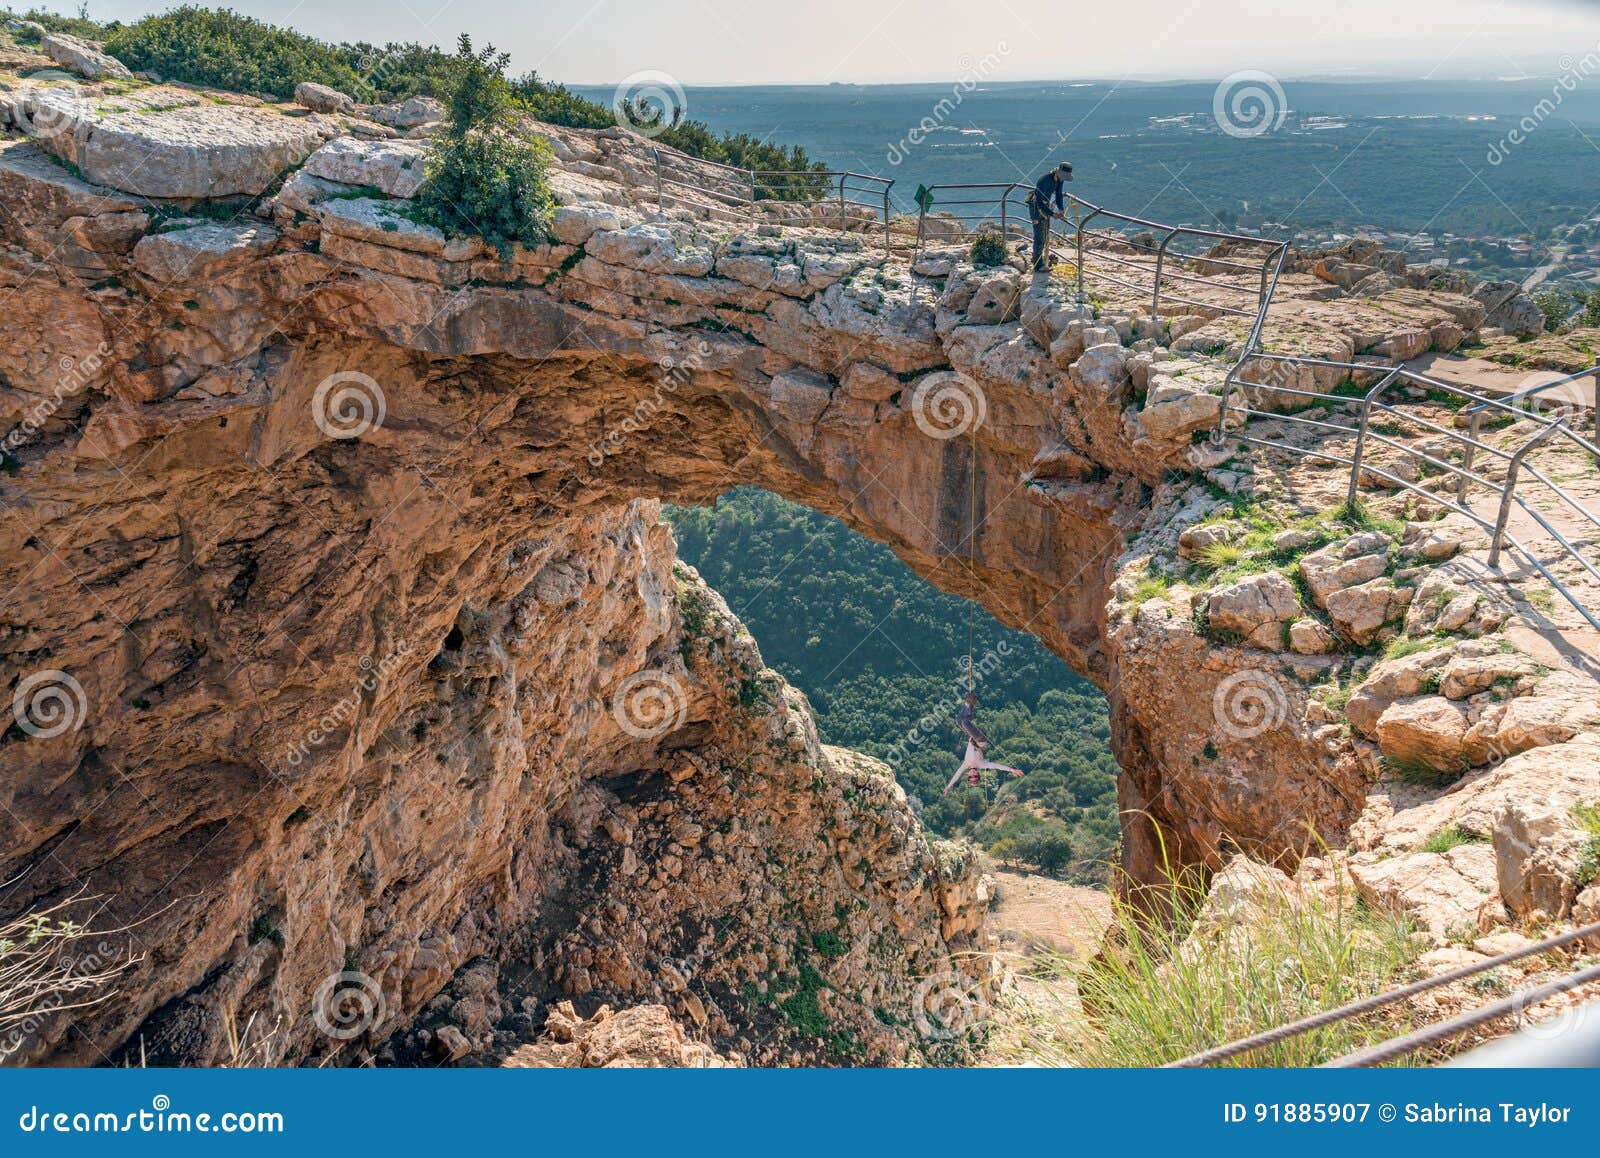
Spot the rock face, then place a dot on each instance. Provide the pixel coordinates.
(347, 638)
(195, 151)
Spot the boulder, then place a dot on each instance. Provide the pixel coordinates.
(1446, 336)
(1391, 680)
(1403, 345)
(406, 114)
(645, 1036)
(82, 57)
(392, 167)
(1346, 563)
(1359, 612)
(575, 224)
(1509, 309)
(1466, 675)
(1175, 409)
(1243, 892)
(1194, 540)
(1344, 274)
(383, 223)
(1427, 730)
(452, 1043)
(1373, 285)
(1442, 892)
(1102, 371)
(1309, 637)
(1541, 847)
(1255, 608)
(652, 249)
(994, 300)
(1554, 711)
(320, 98)
(1440, 278)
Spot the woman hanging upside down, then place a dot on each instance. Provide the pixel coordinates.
(973, 764)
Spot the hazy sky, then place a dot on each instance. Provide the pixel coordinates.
(819, 41)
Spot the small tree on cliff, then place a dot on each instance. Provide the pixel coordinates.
(485, 176)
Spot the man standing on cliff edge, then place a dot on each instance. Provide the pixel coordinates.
(1047, 188)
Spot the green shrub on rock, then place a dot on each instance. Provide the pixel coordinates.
(486, 178)
(988, 248)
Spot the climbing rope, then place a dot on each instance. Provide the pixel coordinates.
(1378, 1001)
(972, 563)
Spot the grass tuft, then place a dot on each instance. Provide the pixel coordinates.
(1588, 818)
(1164, 989)
(1452, 836)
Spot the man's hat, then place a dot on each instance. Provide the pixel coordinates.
(1065, 167)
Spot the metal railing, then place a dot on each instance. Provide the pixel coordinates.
(1234, 417)
(849, 201)
(1151, 262)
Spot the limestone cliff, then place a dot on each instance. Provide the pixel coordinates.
(338, 539)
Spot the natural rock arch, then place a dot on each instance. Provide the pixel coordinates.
(209, 546)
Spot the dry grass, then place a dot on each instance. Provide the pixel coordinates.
(50, 965)
(1164, 989)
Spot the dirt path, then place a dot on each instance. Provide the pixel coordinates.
(1047, 928)
(1038, 913)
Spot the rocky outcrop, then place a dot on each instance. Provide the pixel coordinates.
(168, 143)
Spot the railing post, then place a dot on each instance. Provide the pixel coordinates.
(1471, 452)
(1161, 258)
(1595, 413)
(1361, 436)
(886, 240)
(1082, 224)
(841, 204)
(1221, 432)
(1509, 493)
(1005, 223)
